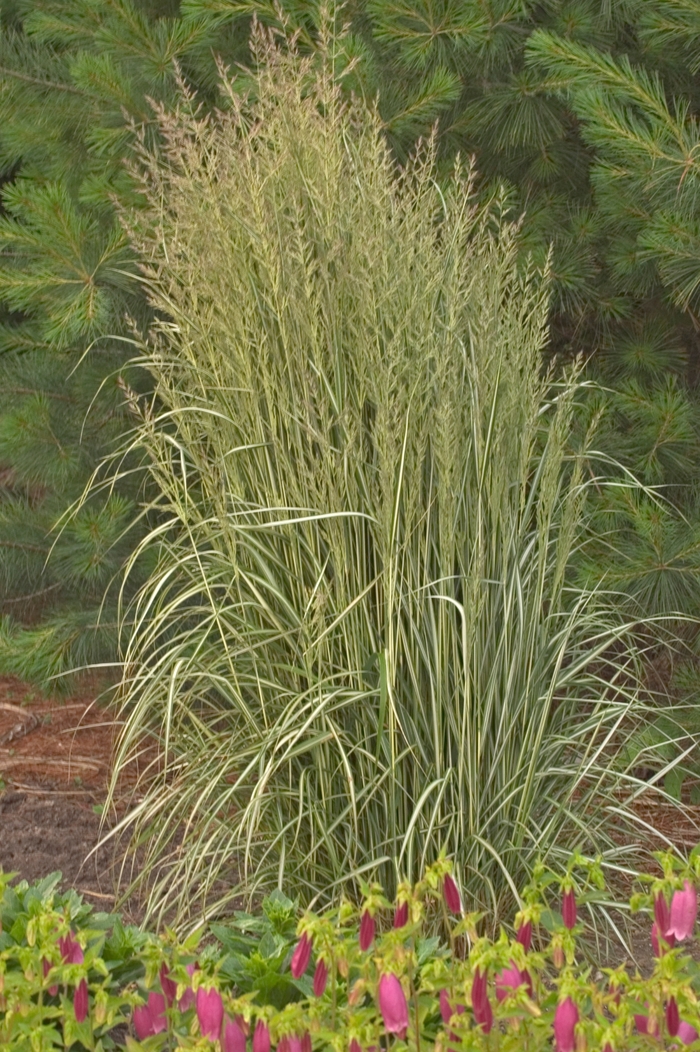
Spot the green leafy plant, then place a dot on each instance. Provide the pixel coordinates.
(380, 978)
(363, 640)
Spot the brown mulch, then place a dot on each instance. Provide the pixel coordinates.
(55, 759)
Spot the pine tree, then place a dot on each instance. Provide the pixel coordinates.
(77, 82)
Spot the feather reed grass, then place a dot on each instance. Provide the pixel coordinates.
(361, 643)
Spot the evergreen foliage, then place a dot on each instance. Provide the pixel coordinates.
(584, 109)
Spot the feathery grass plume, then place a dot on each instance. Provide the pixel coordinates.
(360, 643)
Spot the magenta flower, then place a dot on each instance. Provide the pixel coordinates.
(71, 951)
(687, 1033)
(401, 915)
(306, 1043)
(564, 1023)
(168, 986)
(233, 1038)
(507, 980)
(80, 1001)
(565, 1020)
(294, 1043)
(187, 999)
(210, 1012)
(568, 908)
(355, 1046)
(367, 929)
(393, 1005)
(261, 1037)
(320, 977)
(672, 1017)
(524, 936)
(150, 1018)
(684, 911)
(301, 956)
(451, 892)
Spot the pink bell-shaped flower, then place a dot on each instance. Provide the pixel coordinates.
(367, 930)
(451, 892)
(81, 1001)
(401, 915)
(306, 1042)
(672, 1017)
(568, 908)
(301, 956)
(565, 1020)
(687, 1033)
(507, 980)
(320, 977)
(261, 1037)
(167, 985)
(684, 911)
(210, 1012)
(524, 936)
(71, 951)
(393, 1005)
(233, 1037)
(150, 1018)
(355, 1046)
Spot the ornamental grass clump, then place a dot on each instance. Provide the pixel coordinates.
(360, 643)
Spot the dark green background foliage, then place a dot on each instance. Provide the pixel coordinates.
(587, 112)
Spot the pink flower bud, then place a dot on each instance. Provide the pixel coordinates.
(301, 956)
(306, 1044)
(565, 1020)
(684, 910)
(355, 1046)
(81, 1001)
(479, 990)
(233, 1037)
(524, 936)
(507, 980)
(568, 908)
(367, 929)
(261, 1037)
(661, 912)
(481, 1006)
(672, 1017)
(320, 977)
(168, 986)
(401, 915)
(210, 1012)
(451, 893)
(71, 951)
(687, 1033)
(393, 1005)
(150, 1018)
